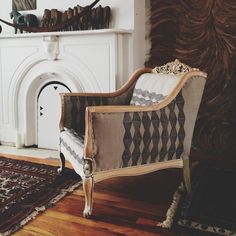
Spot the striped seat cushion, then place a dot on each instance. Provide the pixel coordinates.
(153, 88)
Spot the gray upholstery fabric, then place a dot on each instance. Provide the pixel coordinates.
(154, 136)
(74, 111)
(136, 138)
(192, 93)
(72, 146)
(75, 106)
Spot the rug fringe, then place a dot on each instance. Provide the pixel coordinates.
(42, 208)
(167, 223)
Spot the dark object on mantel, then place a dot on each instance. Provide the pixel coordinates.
(28, 20)
(96, 18)
(0, 29)
(57, 27)
(101, 17)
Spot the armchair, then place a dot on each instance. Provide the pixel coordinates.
(146, 125)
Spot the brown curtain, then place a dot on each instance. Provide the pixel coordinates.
(202, 34)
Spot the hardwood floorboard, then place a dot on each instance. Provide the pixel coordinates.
(122, 206)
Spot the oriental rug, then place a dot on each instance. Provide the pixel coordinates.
(211, 207)
(27, 188)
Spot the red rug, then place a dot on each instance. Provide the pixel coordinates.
(27, 188)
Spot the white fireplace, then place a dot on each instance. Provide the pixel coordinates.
(35, 68)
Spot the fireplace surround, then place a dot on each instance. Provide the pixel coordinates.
(85, 61)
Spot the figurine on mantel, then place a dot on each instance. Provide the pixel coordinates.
(96, 18)
(28, 20)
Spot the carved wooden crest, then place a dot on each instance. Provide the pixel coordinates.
(175, 67)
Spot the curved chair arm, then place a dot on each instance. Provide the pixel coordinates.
(156, 106)
(74, 104)
(144, 134)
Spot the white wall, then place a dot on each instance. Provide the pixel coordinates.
(123, 10)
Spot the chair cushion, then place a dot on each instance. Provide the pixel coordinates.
(72, 145)
(153, 88)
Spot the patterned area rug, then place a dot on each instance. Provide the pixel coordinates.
(27, 188)
(211, 207)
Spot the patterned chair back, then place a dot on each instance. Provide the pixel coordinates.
(153, 88)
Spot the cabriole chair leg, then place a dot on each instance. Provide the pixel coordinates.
(186, 174)
(62, 163)
(88, 184)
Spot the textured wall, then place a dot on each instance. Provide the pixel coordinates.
(202, 34)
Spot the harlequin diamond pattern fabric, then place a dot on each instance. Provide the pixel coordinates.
(144, 97)
(75, 106)
(154, 136)
(76, 111)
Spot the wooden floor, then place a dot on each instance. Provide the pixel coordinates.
(122, 206)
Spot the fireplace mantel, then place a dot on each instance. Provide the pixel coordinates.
(67, 33)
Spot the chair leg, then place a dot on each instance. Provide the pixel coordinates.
(88, 184)
(186, 174)
(62, 164)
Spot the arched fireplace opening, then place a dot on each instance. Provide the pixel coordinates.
(38, 104)
(48, 114)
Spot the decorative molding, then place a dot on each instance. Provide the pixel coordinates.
(175, 67)
(51, 47)
(69, 33)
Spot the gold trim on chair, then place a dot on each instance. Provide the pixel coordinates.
(175, 67)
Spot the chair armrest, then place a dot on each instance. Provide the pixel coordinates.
(123, 138)
(187, 78)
